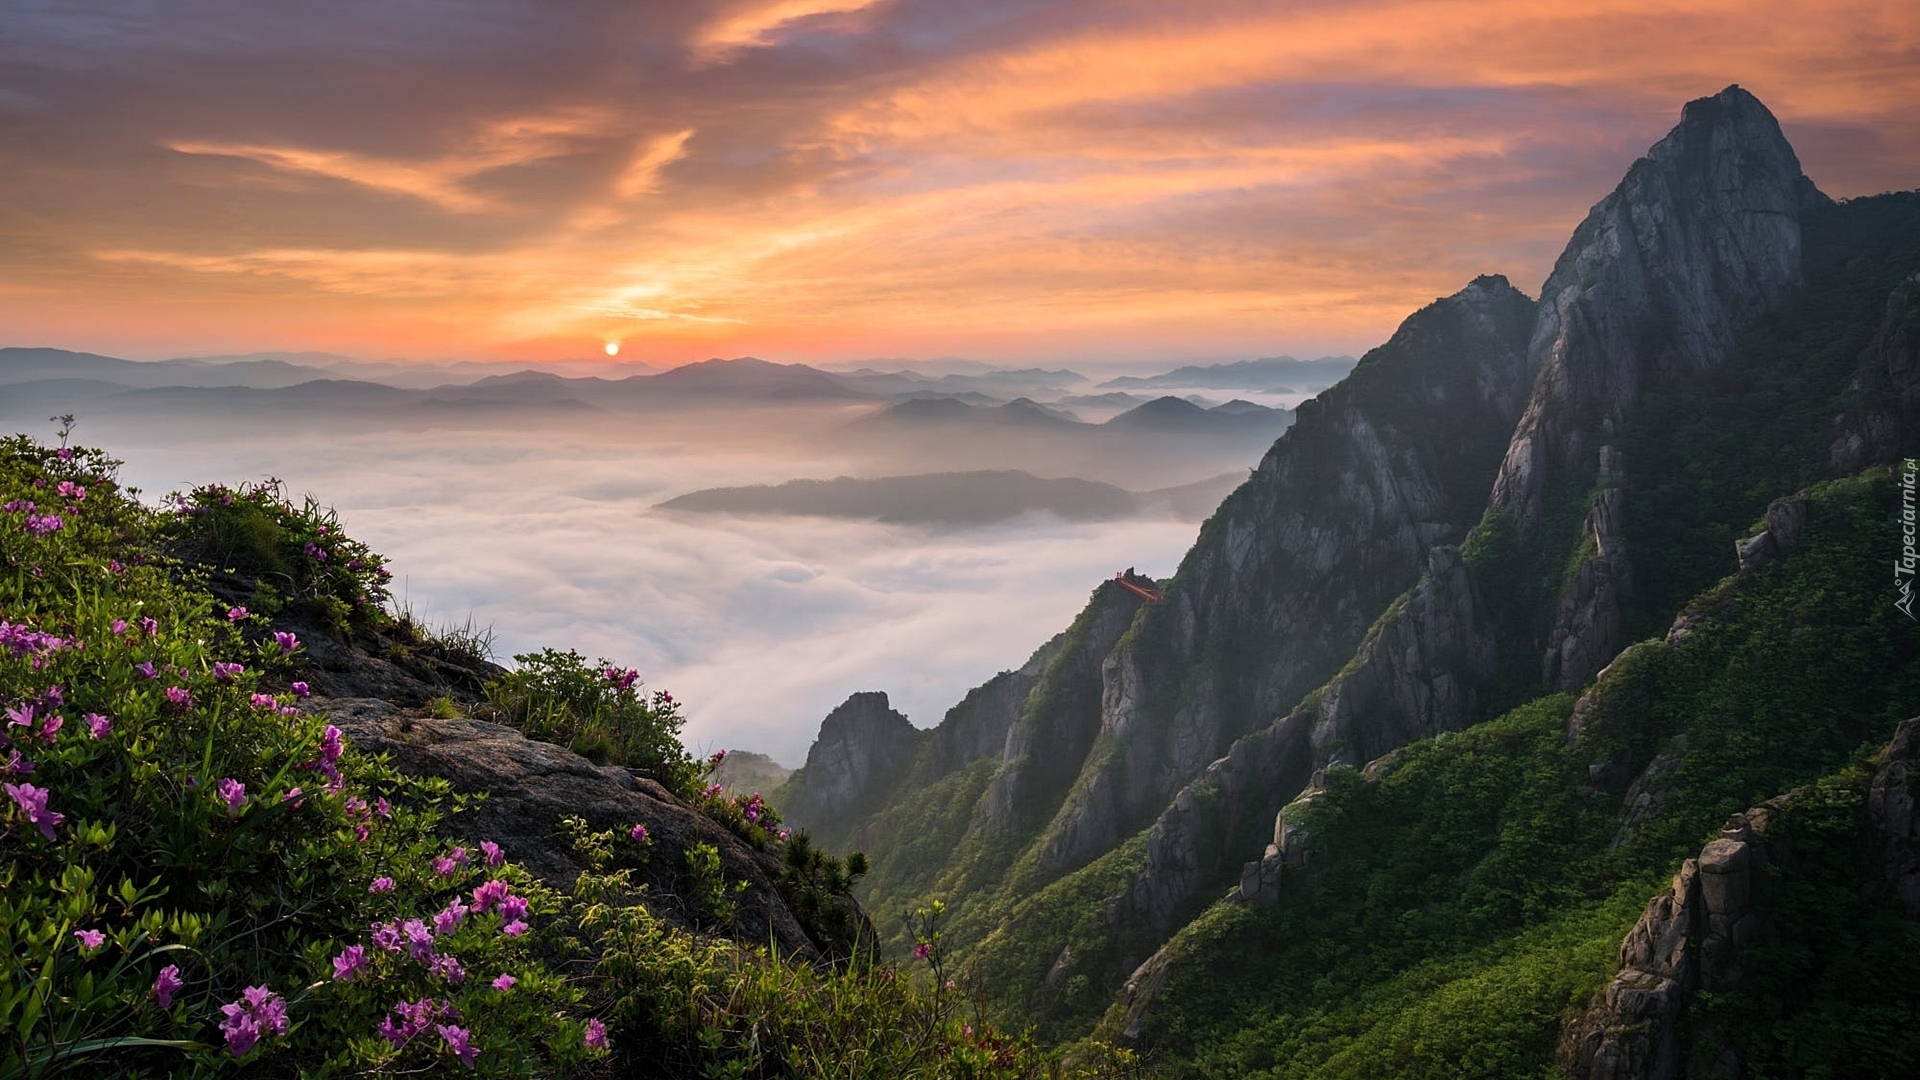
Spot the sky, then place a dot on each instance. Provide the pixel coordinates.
(1059, 181)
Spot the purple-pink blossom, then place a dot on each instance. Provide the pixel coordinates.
(495, 856)
(449, 918)
(33, 800)
(487, 894)
(166, 984)
(504, 983)
(447, 967)
(263, 701)
(228, 672)
(300, 689)
(146, 670)
(286, 641)
(514, 928)
(235, 614)
(149, 625)
(386, 936)
(44, 524)
(259, 1012)
(513, 907)
(596, 1036)
(382, 884)
(90, 939)
(330, 745)
(419, 940)
(98, 725)
(179, 697)
(639, 833)
(349, 963)
(456, 1038)
(232, 792)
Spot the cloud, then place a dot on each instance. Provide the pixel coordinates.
(760, 625)
(833, 178)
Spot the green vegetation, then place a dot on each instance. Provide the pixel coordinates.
(598, 712)
(1460, 899)
(1704, 458)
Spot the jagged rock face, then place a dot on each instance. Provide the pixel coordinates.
(1699, 240)
(1286, 577)
(860, 756)
(1659, 281)
(1879, 434)
(1691, 938)
(531, 785)
(1061, 716)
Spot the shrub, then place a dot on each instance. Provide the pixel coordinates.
(599, 712)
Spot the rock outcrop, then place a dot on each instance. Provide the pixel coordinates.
(859, 758)
(1284, 580)
(1877, 433)
(1692, 937)
(530, 786)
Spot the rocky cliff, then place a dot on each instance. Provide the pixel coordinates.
(1695, 937)
(1286, 577)
(859, 758)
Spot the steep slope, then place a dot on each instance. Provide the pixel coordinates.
(1444, 907)
(1280, 587)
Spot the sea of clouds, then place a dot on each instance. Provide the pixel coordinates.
(760, 625)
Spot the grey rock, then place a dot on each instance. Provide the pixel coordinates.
(529, 786)
(859, 758)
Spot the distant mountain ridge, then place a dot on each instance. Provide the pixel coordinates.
(966, 498)
(1274, 374)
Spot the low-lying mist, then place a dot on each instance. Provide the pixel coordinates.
(544, 528)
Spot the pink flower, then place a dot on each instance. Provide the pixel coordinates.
(719, 756)
(456, 1038)
(228, 672)
(166, 984)
(448, 968)
(145, 668)
(149, 625)
(263, 701)
(33, 800)
(119, 627)
(292, 795)
(286, 641)
(596, 1037)
(386, 936)
(97, 725)
(922, 951)
(233, 793)
(349, 963)
(495, 856)
(514, 928)
(384, 808)
(330, 745)
(300, 689)
(639, 833)
(90, 939)
(504, 983)
(258, 1012)
(486, 895)
(513, 907)
(449, 918)
(235, 614)
(381, 885)
(179, 697)
(419, 940)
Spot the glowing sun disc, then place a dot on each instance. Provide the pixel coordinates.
(613, 348)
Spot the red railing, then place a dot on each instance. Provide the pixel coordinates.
(1151, 596)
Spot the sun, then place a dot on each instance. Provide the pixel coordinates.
(613, 348)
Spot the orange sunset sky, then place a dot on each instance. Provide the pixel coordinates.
(1010, 180)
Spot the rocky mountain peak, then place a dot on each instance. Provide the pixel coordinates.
(1659, 280)
(863, 749)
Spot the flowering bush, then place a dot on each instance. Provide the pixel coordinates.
(194, 871)
(299, 554)
(599, 712)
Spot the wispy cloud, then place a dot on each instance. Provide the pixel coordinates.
(824, 178)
